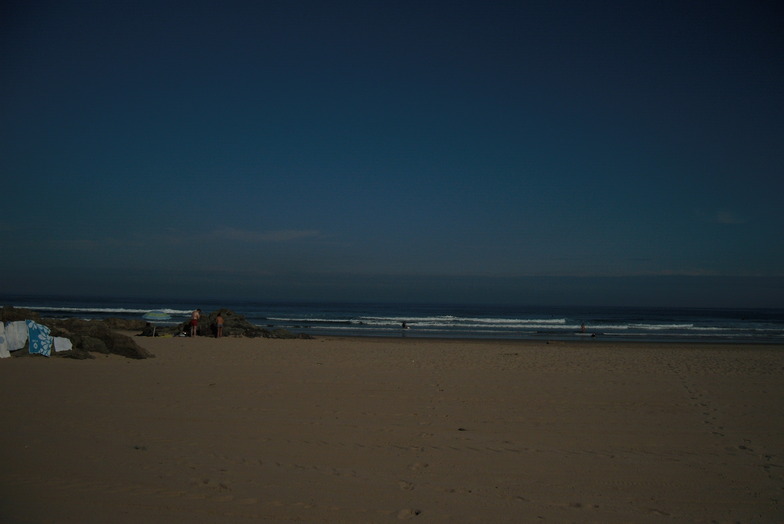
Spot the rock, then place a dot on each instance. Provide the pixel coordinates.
(234, 325)
(11, 314)
(94, 336)
(87, 337)
(101, 336)
(125, 324)
(89, 345)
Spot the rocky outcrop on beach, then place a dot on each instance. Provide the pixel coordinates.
(234, 325)
(87, 336)
(125, 324)
(12, 314)
(105, 336)
(95, 336)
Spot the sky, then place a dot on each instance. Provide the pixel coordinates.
(544, 152)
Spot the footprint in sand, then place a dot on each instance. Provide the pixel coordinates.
(405, 514)
(405, 485)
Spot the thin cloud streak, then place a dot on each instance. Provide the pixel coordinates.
(135, 241)
(728, 217)
(722, 216)
(255, 237)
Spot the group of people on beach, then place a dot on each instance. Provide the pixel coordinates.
(196, 316)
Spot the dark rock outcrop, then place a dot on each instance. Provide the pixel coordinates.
(234, 325)
(12, 314)
(96, 336)
(125, 324)
(102, 336)
(87, 337)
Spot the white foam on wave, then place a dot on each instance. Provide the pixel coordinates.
(444, 321)
(452, 320)
(103, 311)
(639, 326)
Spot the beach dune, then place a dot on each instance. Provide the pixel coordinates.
(382, 430)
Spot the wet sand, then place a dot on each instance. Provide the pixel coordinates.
(364, 430)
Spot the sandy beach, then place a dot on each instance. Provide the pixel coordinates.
(364, 430)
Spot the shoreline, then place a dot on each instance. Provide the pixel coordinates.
(367, 429)
(624, 324)
(559, 341)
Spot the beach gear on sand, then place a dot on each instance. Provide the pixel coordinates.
(159, 316)
(40, 339)
(16, 334)
(62, 344)
(4, 353)
(156, 316)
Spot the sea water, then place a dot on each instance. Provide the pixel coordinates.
(753, 326)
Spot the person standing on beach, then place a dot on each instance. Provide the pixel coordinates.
(195, 316)
(219, 326)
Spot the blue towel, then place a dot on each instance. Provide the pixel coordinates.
(40, 339)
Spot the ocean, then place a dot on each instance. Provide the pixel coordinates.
(747, 326)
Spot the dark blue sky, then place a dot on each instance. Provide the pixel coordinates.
(624, 153)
